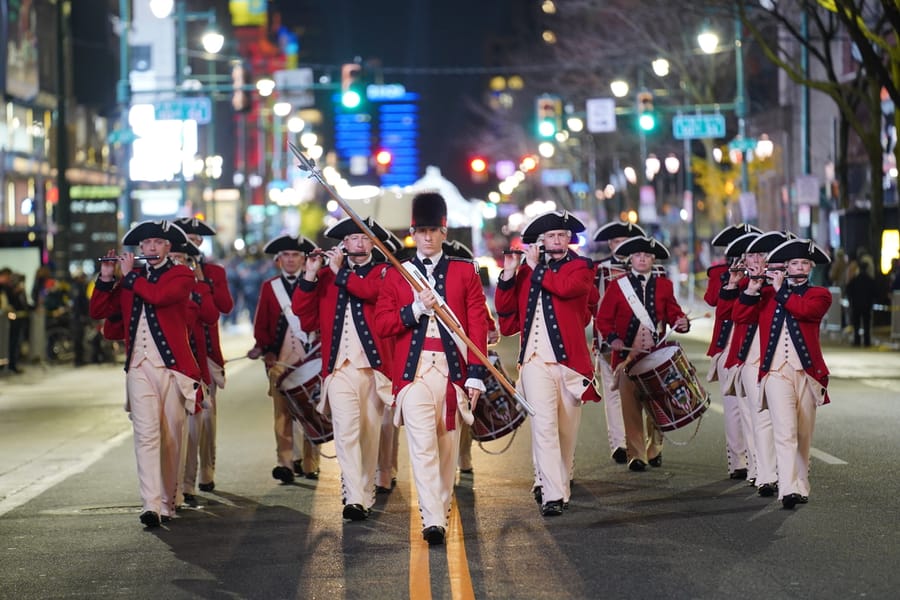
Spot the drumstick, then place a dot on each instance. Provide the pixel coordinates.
(228, 360)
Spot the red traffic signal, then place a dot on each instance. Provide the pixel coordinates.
(383, 158)
(478, 168)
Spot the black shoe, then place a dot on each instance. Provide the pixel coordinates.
(738, 474)
(554, 508)
(284, 474)
(207, 487)
(355, 512)
(790, 501)
(382, 490)
(466, 471)
(620, 456)
(636, 464)
(312, 474)
(767, 490)
(191, 500)
(752, 482)
(537, 492)
(803, 500)
(298, 468)
(434, 535)
(165, 518)
(656, 461)
(150, 519)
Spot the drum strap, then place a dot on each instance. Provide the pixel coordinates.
(636, 305)
(292, 319)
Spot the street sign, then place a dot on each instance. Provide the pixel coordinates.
(295, 86)
(600, 115)
(184, 109)
(742, 144)
(698, 127)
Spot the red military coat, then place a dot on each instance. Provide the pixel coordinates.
(224, 304)
(717, 276)
(203, 314)
(801, 310)
(325, 301)
(616, 320)
(270, 325)
(166, 294)
(458, 282)
(565, 287)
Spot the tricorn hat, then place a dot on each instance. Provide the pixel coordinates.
(289, 242)
(767, 242)
(194, 226)
(617, 229)
(429, 209)
(799, 249)
(739, 246)
(347, 226)
(642, 244)
(551, 221)
(733, 232)
(188, 247)
(458, 249)
(165, 230)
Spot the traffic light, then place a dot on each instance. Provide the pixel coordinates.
(383, 160)
(647, 119)
(240, 98)
(352, 88)
(549, 116)
(478, 169)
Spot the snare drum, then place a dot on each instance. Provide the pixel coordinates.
(302, 387)
(496, 412)
(667, 383)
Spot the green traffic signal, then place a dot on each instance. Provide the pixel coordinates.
(647, 121)
(546, 128)
(351, 99)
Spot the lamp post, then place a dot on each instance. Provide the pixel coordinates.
(212, 42)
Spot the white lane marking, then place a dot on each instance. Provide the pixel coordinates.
(32, 489)
(825, 457)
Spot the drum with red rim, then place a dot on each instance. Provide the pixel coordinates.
(302, 387)
(667, 383)
(496, 413)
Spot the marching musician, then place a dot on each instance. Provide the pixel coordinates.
(742, 361)
(793, 377)
(608, 270)
(436, 381)
(163, 379)
(737, 453)
(201, 442)
(199, 320)
(545, 302)
(389, 441)
(633, 317)
(356, 374)
(281, 342)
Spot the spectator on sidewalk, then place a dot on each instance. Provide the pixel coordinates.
(861, 293)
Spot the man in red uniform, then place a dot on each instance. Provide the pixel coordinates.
(793, 378)
(545, 302)
(608, 270)
(163, 380)
(356, 383)
(435, 379)
(737, 453)
(281, 341)
(633, 317)
(742, 362)
(201, 442)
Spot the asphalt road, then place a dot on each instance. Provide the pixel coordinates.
(69, 508)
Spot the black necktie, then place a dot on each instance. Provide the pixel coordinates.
(640, 289)
(427, 262)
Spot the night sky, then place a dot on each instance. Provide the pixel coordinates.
(411, 34)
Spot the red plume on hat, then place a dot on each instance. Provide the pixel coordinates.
(429, 209)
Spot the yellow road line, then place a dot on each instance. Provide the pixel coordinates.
(457, 563)
(419, 566)
(419, 570)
